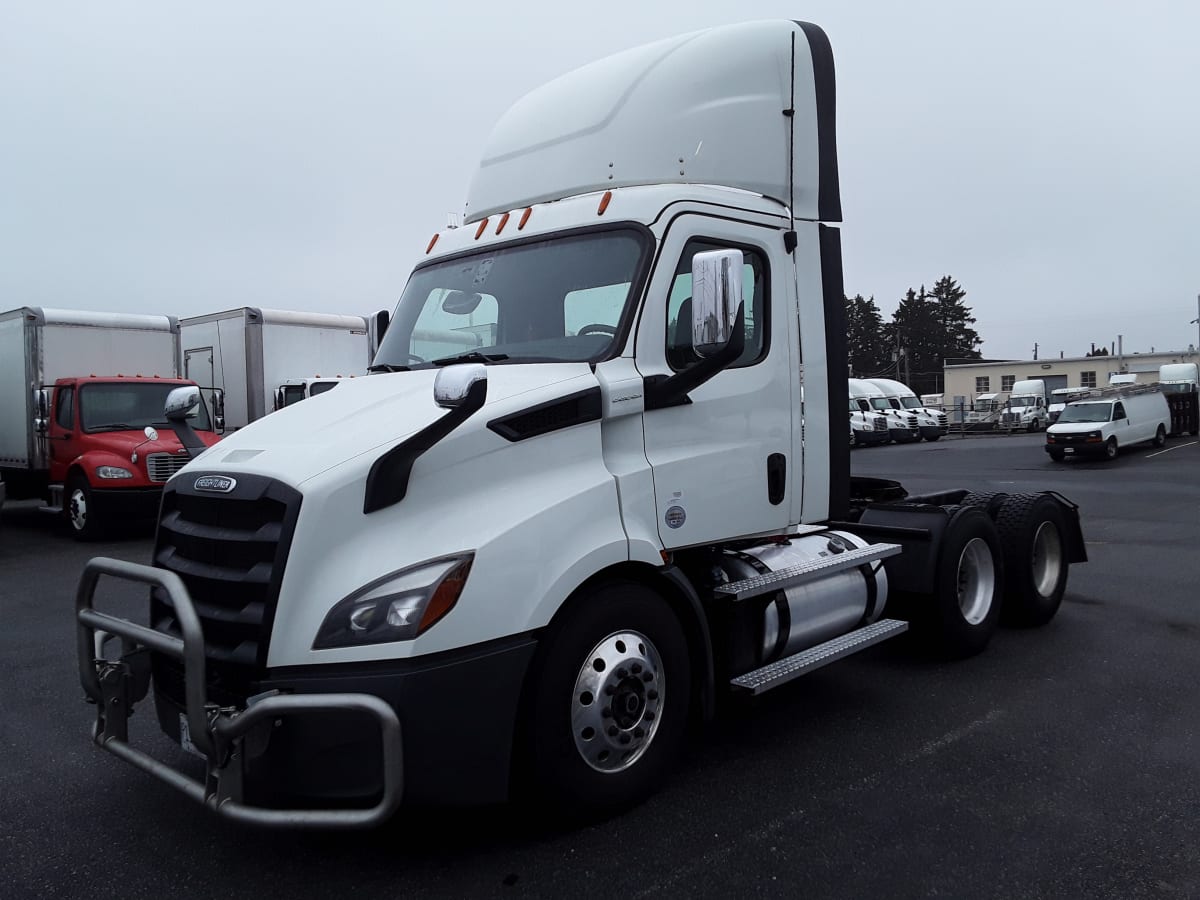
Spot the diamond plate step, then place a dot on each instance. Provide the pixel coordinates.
(790, 577)
(784, 670)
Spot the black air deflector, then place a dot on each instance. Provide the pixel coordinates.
(573, 409)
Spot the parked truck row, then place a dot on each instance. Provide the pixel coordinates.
(82, 395)
(595, 484)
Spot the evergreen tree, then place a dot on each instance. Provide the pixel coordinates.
(865, 345)
(959, 339)
(931, 327)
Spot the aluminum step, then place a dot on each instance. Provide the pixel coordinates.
(811, 571)
(784, 670)
(55, 506)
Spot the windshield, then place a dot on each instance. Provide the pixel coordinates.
(1086, 412)
(881, 403)
(910, 402)
(131, 406)
(320, 387)
(1017, 402)
(557, 300)
(854, 407)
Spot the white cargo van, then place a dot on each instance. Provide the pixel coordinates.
(1101, 426)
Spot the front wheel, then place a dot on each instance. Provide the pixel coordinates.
(609, 702)
(1110, 448)
(80, 510)
(1160, 436)
(1034, 426)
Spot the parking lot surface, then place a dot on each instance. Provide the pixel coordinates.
(1062, 762)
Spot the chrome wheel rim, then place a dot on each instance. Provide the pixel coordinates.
(617, 704)
(1047, 558)
(976, 581)
(78, 509)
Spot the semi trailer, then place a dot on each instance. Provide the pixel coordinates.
(597, 484)
(81, 413)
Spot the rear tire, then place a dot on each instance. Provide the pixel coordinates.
(1111, 449)
(1033, 539)
(969, 585)
(1160, 437)
(609, 702)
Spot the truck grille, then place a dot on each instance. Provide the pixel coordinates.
(912, 421)
(161, 466)
(230, 550)
(881, 423)
(1010, 418)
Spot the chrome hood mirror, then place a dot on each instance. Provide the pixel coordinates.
(716, 298)
(453, 384)
(180, 402)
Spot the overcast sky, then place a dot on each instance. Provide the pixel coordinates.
(186, 158)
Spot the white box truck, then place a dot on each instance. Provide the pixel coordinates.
(1026, 409)
(545, 555)
(252, 353)
(81, 413)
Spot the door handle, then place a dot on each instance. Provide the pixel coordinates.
(776, 478)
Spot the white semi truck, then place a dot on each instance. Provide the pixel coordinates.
(903, 426)
(252, 353)
(931, 424)
(528, 565)
(1027, 406)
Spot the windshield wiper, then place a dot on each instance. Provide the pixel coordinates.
(111, 426)
(388, 367)
(473, 357)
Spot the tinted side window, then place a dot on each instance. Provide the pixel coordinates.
(680, 354)
(1118, 412)
(65, 415)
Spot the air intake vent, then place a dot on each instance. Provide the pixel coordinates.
(574, 409)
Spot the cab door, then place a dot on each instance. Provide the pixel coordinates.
(63, 439)
(723, 464)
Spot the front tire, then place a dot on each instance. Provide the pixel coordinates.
(1160, 437)
(609, 704)
(1111, 449)
(80, 510)
(1033, 539)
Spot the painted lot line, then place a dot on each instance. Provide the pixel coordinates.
(1169, 449)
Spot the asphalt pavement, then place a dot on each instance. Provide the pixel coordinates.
(1062, 762)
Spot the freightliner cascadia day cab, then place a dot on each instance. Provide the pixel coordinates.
(867, 428)
(931, 424)
(903, 426)
(81, 413)
(253, 354)
(528, 562)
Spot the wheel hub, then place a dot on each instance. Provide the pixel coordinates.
(78, 510)
(618, 697)
(976, 581)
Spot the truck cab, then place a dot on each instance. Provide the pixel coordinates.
(866, 428)
(597, 481)
(932, 424)
(1026, 409)
(110, 448)
(903, 426)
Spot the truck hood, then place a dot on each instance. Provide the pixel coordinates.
(123, 443)
(362, 416)
(1075, 427)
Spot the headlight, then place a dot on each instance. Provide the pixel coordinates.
(112, 472)
(397, 607)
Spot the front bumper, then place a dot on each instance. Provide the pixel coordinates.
(131, 504)
(1075, 448)
(324, 738)
(903, 435)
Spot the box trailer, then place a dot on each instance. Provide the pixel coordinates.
(251, 353)
(80, 393)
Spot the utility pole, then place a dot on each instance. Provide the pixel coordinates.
(1196, 322)
(1035, 348)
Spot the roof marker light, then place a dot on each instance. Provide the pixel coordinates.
(432, 241)
(604, 201)
(479, 230)
(524, 218)
(503, 222)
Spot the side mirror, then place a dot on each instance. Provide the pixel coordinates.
(150, 432)
(41, 410)
(716, 298)
(180, 402)
(453, 384)
(278, 398)
(218, 403)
